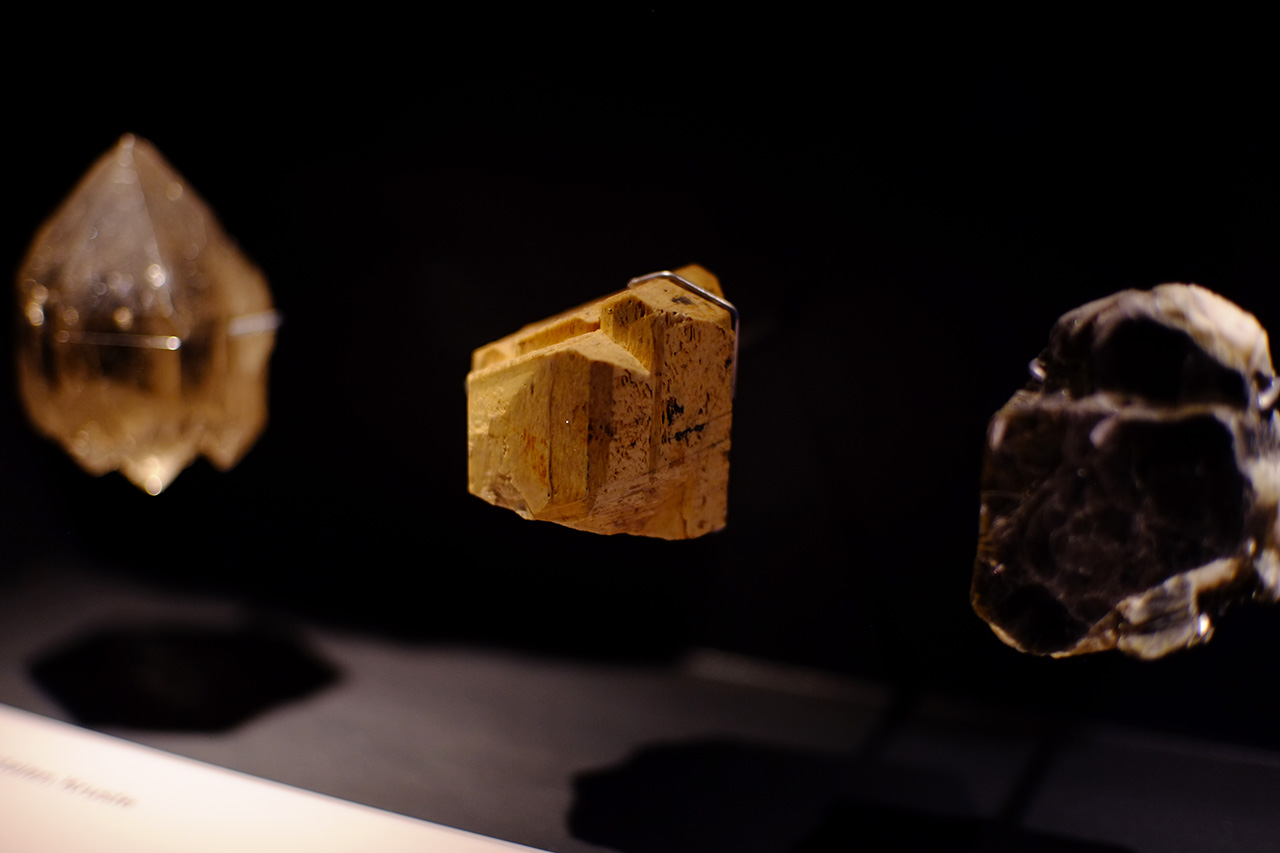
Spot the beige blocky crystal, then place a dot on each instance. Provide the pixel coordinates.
(613, 417)
(144, 333)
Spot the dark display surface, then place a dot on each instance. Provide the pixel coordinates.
(900, 220)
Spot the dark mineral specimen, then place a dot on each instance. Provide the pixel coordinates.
(1129, 492)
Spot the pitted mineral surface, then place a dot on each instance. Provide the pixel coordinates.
(144, 333)
(1129, 492)
(611, 418)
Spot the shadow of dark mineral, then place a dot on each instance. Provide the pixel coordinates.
(726, 794)
(179, 678)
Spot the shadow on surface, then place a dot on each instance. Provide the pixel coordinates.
(179, 678)
(732, 795)
(861, 826)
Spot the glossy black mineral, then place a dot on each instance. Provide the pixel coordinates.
(1129, 492)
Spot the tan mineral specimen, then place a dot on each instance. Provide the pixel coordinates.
(611, 418)
(144, 333)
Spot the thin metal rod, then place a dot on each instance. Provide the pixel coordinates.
(245, 324)
(667, 275)
(117, 339)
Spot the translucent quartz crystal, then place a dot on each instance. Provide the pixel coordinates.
(144, 334)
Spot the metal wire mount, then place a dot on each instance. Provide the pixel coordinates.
(718, 301)
(245, 324)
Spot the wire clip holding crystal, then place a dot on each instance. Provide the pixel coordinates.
(256, 323)
(707, 295)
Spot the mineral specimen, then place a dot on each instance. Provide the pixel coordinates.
(1129, 492)
(144, 333)
(613, 417)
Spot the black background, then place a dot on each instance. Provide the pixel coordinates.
(900, 210)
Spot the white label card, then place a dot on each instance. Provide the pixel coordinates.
(65, 789)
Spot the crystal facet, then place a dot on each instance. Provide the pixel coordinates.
(613, 417)
(144, 333)
(1130, 491)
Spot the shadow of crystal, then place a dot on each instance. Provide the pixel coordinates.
(179, 678)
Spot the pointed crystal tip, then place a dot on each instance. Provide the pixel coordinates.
(132, 349)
